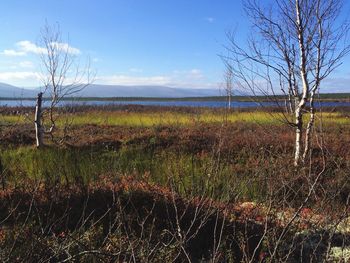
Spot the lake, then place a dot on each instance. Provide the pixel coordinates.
(177, 103)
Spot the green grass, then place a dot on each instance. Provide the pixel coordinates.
(13, 119)
(333, 118)
(135, 119)
(166, 118)
(189, 173)
(49, 164)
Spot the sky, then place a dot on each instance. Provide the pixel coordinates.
(129, 42)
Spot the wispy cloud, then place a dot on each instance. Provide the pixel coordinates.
(136, 70)
(19, 75)
(193, 78)
(26, 64)
(66, 48)
(13, 53)
(26, 47)
(210, 19)
(29, 47)
(187, 75)
(196, 73)
(131, 80)
(336, 84)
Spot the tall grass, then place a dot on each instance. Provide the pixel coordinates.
(147, 119)
(192, 174)
(13, 119)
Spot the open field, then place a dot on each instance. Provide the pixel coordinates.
(150, 184)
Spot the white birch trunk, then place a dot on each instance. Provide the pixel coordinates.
(305, 93)
(38, 128)
(309, 127)
(298, 135)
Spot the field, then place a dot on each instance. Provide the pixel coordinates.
(158, 184)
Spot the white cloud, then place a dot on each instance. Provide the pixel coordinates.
(65, 48)
(29, 47)
(130, 80)
(26, 47)
(26, 64)
(21, 78)
(195, 73)
(193, 78)
(336, 84)
(19, 75)
(13, 53)
(210, 19)
(136, 70)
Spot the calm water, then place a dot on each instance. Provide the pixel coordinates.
(210, 104)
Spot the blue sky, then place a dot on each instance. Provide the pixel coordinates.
(129, 42)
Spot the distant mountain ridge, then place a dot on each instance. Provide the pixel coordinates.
(9, 91)
(98, 90)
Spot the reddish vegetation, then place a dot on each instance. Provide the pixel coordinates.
(197, 138)
(230, 139)
(62, 210)
(138, 200)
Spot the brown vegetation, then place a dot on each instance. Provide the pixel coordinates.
(243, 204)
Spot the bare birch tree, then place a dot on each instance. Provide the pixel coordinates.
(61, 77)
(228, 85)
(295, 45)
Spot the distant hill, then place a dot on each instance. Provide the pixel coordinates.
(9, 91)
(96, 90)
(130, 92)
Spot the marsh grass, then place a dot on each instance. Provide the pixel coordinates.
(171, 147)
(163, 155)
(171, 118)
(12, 119)
(52, 165)
(192, 174)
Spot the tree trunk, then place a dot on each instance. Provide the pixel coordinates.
(229, 101)
(309, 127)
(305, 83)
(38, 128)
(298, 135)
